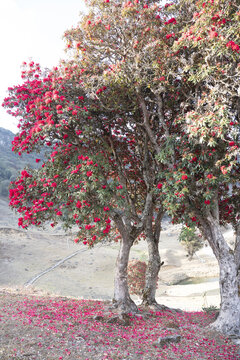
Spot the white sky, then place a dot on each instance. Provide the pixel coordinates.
(31, 30)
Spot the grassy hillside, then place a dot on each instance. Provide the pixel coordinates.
(11, 163)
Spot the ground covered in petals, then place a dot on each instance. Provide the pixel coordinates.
(52, 328)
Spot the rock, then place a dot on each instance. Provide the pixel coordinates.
(28, 354)
(166, 340)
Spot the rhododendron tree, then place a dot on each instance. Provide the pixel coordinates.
(202, 184)
(122, 50)
(92, 174)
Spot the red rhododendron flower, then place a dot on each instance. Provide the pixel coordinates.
(210, 176)
(213, 34)
(159, 186)
(233, 45)
(224, 170)
(168, 36)
(184, 177)
(107, 229)
(171, 21)
(79, 204)
(37, 160)
(207, 202)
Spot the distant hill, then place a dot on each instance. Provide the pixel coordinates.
(11, 163)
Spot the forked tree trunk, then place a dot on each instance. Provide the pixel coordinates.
(122, 299)
(228, 321)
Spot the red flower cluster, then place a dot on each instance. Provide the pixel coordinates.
(233, 46)
(171, 21)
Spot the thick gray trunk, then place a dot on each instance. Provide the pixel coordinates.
(122, 298)
(228, 321)
(237, 254)
(153, 267)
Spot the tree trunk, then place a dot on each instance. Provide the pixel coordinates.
(122, 298)
(154, 260)
(228, 321)
(237, 253)
(153, 267)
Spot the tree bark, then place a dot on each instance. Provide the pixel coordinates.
(228, 321)
(153, 267)
(237, 253)
(122, 299)
(154, 260)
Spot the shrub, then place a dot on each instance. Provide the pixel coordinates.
(191, 241)
(136, 276)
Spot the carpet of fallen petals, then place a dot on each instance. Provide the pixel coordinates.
(57, 328)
